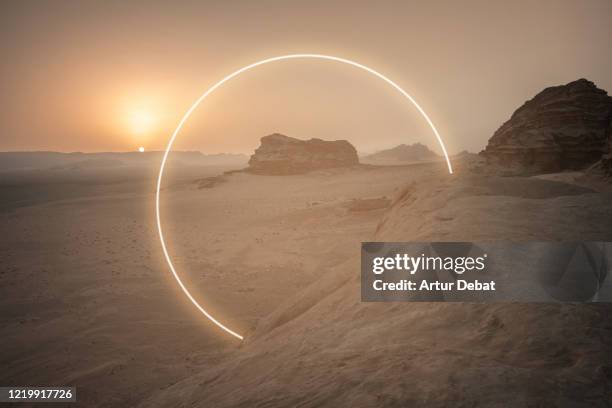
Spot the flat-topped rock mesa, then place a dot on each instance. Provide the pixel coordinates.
(402, 154)
(282, 155)
(562, 127)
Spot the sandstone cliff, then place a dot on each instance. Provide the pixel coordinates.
(562, 127)
(279, 154)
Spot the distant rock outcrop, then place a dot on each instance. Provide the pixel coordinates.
(402, 154)
(280, 155)
(562, 127)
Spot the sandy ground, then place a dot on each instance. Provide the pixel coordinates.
(87, 300)
(86, 297)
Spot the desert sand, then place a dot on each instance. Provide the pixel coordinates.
(88, 301)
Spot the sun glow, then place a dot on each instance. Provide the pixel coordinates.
(142, 122)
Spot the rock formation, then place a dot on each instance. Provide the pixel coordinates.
(402, 154)
(280, 155)
(562, 127)
(606, 161)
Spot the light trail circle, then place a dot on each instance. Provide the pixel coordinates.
(210, 91)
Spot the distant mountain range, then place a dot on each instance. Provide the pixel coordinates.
(401, 154)
(78, 160)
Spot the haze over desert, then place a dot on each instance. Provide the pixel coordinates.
(273, 253)
(306, 204)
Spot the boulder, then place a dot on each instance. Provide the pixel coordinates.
(562, 127)
(281, 155)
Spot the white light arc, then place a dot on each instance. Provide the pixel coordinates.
(211, 90)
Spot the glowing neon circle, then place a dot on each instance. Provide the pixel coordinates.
(211, 90)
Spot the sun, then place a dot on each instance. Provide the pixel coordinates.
(141, 149)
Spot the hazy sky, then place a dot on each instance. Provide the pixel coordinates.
(115, 75)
